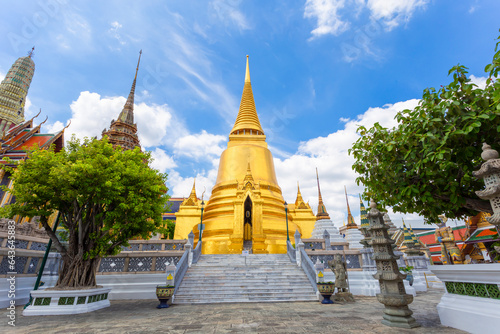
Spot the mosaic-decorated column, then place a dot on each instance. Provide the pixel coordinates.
(392, 290)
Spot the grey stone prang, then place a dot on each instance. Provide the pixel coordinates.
(392, 290)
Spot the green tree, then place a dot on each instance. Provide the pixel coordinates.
(105, 196)
(424, 165)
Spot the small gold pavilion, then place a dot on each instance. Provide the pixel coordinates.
(246, 205)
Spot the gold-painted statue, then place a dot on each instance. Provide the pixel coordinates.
(450, 253)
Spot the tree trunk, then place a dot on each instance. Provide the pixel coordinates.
(77, 273)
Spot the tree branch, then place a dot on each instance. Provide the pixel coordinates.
(53, 236)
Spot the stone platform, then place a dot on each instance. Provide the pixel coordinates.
(141, 316)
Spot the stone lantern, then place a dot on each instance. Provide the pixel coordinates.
(490, 172)
(392, 290)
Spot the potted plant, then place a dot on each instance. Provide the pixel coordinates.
(326, 289)
(409, 274)
(163, 293)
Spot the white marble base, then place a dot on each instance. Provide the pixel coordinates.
(472, 314)
(469, 313)
(24, 285)
(362, 283)
(93, 299)
(132, 286)
(126, 286)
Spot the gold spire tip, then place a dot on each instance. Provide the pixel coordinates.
(247, 73)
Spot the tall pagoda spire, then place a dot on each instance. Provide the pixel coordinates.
(13, 91)
(127, 114)
(123, 131)
(350, 219)
(247, 121)
(322, 214)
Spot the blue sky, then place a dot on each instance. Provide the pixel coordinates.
(318, 70)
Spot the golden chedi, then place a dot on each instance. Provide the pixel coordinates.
(246, 206)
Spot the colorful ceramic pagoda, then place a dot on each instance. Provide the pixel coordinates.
(364, 224)
(123, 131)
(13, 91)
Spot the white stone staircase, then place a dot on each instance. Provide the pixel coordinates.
(227, 279)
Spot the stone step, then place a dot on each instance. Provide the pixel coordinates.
(227, 279)
(180, 300)
(256, 283)
(277, 272)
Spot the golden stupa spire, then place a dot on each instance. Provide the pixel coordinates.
(350, 219)
(322, 214)
(127, 114)
(247, 121)
(192, 199)
(299, 202)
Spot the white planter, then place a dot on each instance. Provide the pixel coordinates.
(60, 302)
(472, 298)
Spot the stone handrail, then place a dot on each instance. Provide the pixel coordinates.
(155, 245)
(197, 252)
(291, 252)
(308, 268)
(181, 268)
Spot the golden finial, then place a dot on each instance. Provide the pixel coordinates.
(247, 74)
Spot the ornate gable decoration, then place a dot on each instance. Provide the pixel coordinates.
(248, 182)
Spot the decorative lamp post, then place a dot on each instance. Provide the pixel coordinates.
(286, 217)
(490, 172)
(201, 220)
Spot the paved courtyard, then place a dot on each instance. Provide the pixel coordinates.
(141, 316)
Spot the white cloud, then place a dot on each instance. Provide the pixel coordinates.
(228, 12)
(333, 17)
(394, 12)
(479, 81)
(162, 161)
(326, 13)
(77, 33)
(181, 187)
(114, 32)
(53, 127)
(200, 146)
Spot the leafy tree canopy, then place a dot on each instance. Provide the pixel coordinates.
(105, 196)
(424, 165)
